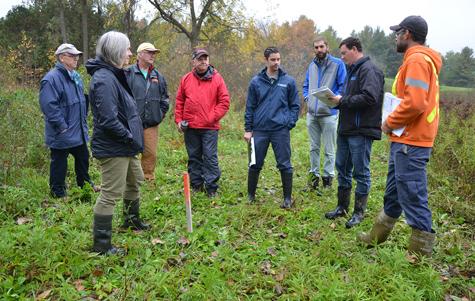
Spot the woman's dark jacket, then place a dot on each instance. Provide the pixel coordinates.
(117, 128)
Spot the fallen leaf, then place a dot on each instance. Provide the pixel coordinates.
(266, 267)
(411, 258)
(231, 282)
(444, 278)
(183, 289)
(271, 251)
(282, 235)
(23, 220)
(333, 225)
(315, 236)
(278, 289)
(279, 277)
(214, 254)
(219, 242)
(97, 272)
(43, 295)
(182, 255)
(183, 241)
(157, 241)
(269, 231)
(78, 285)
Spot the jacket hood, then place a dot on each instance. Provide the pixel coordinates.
(208, 75)
(93, 65)
(434, 55)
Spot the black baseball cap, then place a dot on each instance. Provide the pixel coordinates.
(415, 24)
(199, 52)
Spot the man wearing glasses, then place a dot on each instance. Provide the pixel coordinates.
(64, 106)
(417, 85)
(150, 92)
(324, 70)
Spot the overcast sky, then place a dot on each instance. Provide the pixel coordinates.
(451, 26)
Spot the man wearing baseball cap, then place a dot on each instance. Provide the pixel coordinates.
(417, 86)
(202, 100)
(64, 106)
(150, 91)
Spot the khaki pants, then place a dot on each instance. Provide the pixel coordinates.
(121, 178)
(149, 156)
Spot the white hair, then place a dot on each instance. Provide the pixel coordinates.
(112, 47)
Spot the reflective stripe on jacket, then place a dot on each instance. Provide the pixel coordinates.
(417, 86)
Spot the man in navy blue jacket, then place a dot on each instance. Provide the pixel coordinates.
(64, 107)
(324, 70)
(272, 110)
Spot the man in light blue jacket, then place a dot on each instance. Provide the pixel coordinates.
(64, 106)
(324, 70)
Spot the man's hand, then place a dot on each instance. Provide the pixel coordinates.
(178, 127)
(247, 136)
(335, 99)
(385, 128)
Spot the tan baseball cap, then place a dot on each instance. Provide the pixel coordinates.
(147, 47)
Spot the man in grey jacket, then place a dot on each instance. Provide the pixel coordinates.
(324, 70)
(150, 92)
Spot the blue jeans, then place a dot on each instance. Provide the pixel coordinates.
(322, 128)
(406, 185)
(352, 161)
(280, 141)
(202, 149)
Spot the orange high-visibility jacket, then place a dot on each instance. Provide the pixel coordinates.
(417, 85)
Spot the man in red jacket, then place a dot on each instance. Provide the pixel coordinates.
(202, 100)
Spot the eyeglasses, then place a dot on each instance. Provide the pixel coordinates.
(400, 32)
(75, 56)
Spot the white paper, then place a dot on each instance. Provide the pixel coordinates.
(252, 161)
(390, 103)
(323, 94)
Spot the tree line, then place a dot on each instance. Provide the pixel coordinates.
(30, 33)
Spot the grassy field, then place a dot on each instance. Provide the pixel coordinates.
(236, 252)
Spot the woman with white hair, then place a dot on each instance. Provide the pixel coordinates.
(116, 141)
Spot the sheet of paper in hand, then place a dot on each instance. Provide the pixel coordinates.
(323, 94)
(390, 103)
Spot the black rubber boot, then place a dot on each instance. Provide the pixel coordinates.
(343, 203)
(102, 236)
(314, 181)
(252, 179)
(358, 212)
(286, 178)
(327, 182)
(132, 216)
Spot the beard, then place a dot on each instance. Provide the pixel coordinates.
(321, 55)
(401, 47)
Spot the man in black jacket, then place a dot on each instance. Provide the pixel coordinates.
(360, 124)
(151, 95)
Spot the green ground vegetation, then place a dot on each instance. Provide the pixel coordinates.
(237, 251)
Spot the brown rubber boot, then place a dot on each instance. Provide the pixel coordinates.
(421, 242)
(382, 227)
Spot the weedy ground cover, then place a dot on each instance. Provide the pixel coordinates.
(236, 252)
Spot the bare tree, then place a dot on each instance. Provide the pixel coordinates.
(183, 16)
